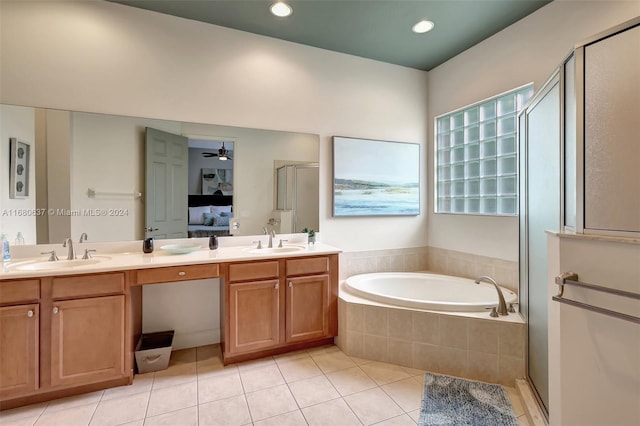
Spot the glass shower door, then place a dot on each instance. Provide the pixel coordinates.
(539, 212)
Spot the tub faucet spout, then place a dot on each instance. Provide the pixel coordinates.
(502, 305)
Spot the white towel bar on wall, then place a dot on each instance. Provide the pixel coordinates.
(571, 278)
(92, 193)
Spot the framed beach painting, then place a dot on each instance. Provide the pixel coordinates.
(375, 178)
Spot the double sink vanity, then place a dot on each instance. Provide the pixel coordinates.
(71, 326)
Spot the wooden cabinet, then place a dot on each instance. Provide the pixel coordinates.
(61, 335)
(307, 305)
(87, 340)
(176, 273)
(254, 315)
(278, 305)
(19, 337)
(19, 346)
(307, 301)
(254, 308)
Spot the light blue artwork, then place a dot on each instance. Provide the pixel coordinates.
(375, 178)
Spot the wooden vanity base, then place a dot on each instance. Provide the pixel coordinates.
(62, 393)
(231, 359)
(66, 335)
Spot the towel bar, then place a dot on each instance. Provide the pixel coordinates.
(571, 278)
(92, 193)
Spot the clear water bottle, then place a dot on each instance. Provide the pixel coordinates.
(6, 255)
(19, 239)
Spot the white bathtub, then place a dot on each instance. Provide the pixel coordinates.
(427, 291)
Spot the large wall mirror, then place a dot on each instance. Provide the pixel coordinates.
(92, 174)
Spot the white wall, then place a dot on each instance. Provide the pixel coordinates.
(594, 373)
(17, 122)
(105, 57)
(527, 51)
(107, 155)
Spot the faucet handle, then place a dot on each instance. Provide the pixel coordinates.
(494, 312)
(512, 308)
(53, 256)
(87, 253)
(281, 241)
(259, 246)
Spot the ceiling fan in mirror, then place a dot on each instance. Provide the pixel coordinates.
(222, 154)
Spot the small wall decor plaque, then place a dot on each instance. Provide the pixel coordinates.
(19, 168)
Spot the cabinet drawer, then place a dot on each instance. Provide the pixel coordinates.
(177, 273)
(253, 271)
(308, 266)
(19, 291)
(87, 285)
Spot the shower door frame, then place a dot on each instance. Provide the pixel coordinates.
(556, 78)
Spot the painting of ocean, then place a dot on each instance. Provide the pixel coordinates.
(375, 178)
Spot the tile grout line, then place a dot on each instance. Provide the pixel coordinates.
(96, 408)
(146, 410)
(244, 395)
(40, 415)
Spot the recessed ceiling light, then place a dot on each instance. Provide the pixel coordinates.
(423, 27)
(281, 9)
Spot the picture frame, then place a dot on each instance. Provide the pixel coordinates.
(19, 168)
(375, 177)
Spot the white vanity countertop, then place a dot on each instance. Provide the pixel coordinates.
(129, 255)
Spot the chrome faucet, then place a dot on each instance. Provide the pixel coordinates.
(271, 235)
(72, 250)
(83, 237)
(502, 305)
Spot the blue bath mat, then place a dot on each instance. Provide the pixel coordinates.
(452, 401)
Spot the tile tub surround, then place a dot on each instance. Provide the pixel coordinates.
(472, 346)
(433, 259)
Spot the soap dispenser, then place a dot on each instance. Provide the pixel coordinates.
(147, 245)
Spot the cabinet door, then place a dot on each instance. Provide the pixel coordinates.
(87, 340)
(307, 305)
(254, 315)
(19, 348)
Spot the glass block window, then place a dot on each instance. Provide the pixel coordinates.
(477, 156)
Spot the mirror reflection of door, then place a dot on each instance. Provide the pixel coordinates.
(296, 204)
(166, 172)
(306, 205)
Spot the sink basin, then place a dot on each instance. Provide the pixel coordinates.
(45, 265)
(277, 250)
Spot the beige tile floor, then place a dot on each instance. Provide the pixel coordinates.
(320, 386)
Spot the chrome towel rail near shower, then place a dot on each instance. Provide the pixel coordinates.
(571, 278)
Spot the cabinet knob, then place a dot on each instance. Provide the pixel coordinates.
(182, 273)
(55, 309)
(277, 286)
(30, 313)
(290, 284)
